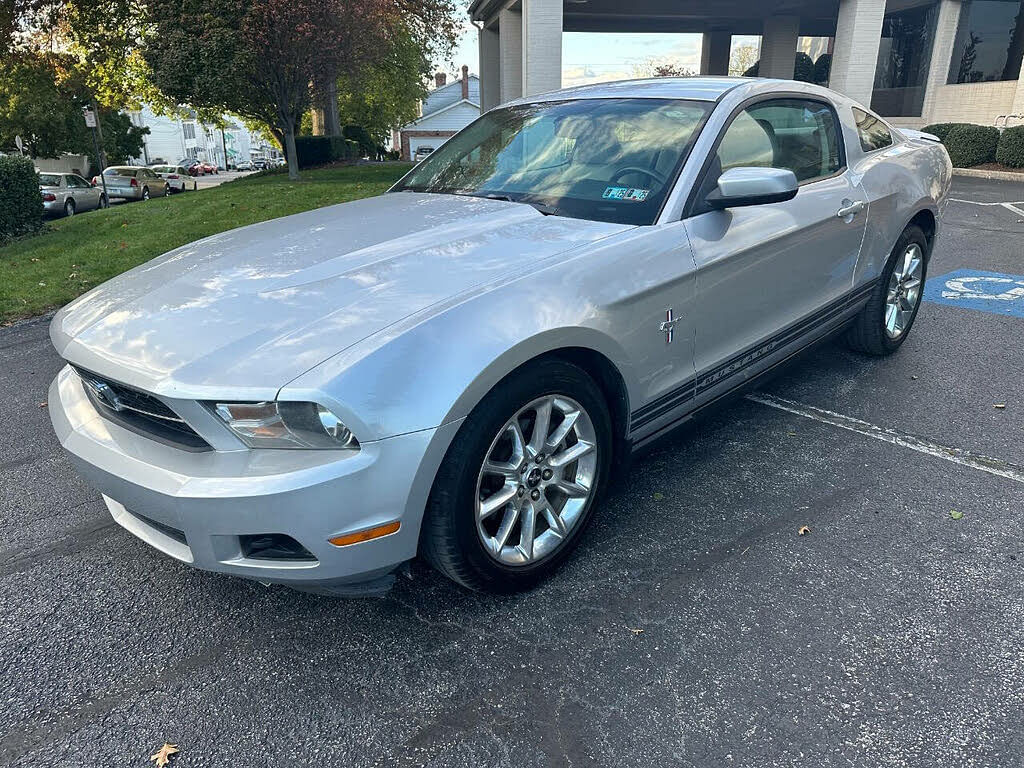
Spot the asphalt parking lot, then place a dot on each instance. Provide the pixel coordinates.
(694, 627)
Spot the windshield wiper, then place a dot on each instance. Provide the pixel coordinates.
(547, 210)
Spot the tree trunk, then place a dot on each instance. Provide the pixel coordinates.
(331, 107)
(289, 151)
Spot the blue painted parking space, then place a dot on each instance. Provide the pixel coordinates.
(992, 292)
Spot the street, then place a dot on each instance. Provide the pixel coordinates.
(695, 625)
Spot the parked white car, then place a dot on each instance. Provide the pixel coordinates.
(176, 176)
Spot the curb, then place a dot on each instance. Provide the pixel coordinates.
(978, 173)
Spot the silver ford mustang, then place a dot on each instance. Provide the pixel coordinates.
(452, 369)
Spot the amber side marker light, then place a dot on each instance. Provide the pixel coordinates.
(370, 533)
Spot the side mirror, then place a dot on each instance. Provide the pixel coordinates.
(753, 186)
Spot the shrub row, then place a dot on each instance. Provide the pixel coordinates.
(320, 150)
(21, 205)
(970, 144)
(1011, 147)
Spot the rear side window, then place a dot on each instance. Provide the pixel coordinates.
(797, 134)
(49, 180)
(874, 134)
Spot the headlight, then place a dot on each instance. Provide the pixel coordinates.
(285, 425)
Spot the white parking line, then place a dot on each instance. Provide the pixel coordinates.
(975, 202)
(886, 435)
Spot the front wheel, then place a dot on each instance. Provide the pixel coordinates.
(520, 481)
(883, 324)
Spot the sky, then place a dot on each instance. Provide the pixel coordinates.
(589, 57)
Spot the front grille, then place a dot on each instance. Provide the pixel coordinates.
(140, 412)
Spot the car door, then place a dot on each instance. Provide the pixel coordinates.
(87, 197)
(769, 275)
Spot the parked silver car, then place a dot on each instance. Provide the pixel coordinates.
(133, 182)
(452, 369)
(176, 176)
(65, 194)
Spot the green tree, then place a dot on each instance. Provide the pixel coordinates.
(41, 100)
(386, 93)
(264, 59)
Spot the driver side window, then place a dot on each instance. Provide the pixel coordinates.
(797, 134)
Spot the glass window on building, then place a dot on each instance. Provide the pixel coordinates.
(989, 41)
(903, 57)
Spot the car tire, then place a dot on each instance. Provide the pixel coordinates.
(872, 331)
(145, 193)
(69, 208)
(453, 538)
(104, 202)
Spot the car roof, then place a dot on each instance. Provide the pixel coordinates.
(699, 88)
(694, 88)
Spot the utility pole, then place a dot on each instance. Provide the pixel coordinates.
(92, 121)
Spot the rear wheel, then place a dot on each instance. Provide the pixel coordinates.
(883, 324)
(104, 202)
(69, 208)
(519, 483)
(145, 193)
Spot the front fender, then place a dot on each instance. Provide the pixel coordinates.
(419, 374)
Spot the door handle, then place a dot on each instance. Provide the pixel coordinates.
(850, 210)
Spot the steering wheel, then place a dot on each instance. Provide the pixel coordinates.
(637, 169)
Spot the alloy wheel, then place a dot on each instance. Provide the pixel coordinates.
(536, 480)
(904, 291)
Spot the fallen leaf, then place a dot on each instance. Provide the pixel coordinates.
(791, 434)
(35, 259)
(1000, 406)
(163, 755)
(635, 631)
(43, 285)
(659, 496)
(42, 404)
(955, 514)
(804, 530)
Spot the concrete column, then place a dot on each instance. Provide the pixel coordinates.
(510, 54)
(542, 46)
(715, 49)
(858, 34)
(942, 52)
(778, 46)
(490, 69)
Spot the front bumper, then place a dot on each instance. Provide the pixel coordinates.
(195, 507)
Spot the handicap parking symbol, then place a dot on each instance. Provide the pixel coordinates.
(982, 291)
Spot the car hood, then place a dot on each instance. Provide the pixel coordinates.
(248, 310)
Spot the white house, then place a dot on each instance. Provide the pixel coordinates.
(171, 139)
(448, 109)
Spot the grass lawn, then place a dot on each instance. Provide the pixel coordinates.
(46, 271)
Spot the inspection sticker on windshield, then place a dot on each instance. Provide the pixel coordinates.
(984, 291)
(626, 193)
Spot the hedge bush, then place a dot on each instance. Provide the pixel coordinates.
(1011, 147)
(321, 150)
(970, 145)
(21, 205)
(941, 130)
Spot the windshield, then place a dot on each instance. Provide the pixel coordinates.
(602, 159)
(49, 180)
